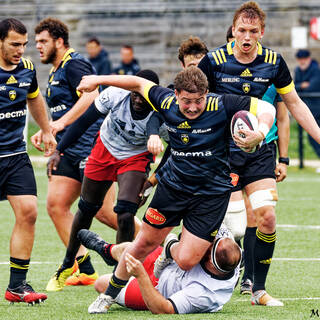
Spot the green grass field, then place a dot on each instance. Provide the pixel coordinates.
(294, 276)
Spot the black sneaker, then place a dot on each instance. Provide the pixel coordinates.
(94, 242)
(246, 286)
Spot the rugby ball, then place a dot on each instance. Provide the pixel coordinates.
(243, 120)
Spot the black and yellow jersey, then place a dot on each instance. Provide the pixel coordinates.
(15, 87)
(226, 75)
(198, 163)
(62, 94)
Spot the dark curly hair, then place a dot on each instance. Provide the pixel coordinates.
(56, 28)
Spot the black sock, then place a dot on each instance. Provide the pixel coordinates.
(18, 271)
(248, 246)
(80, 221)
(168, 247)
(115, 286)
(85, 265)
(107, 251)
(263, 252)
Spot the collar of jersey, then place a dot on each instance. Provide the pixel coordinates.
(230, 45)
(67, 53)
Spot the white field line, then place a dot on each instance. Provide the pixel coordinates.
(284, 299)
(300, 226)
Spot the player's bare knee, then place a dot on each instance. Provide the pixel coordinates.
(29, 215)
(268, 220)
(101, 284)
(186, 260)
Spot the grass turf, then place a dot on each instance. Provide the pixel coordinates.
(296, 282)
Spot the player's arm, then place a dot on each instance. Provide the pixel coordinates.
(283, 124)
(301, 113)
(79, 127)
(154, 300)
(263, 110)
(37, 107)
(75, 112)
(131, 83)
(75, 70)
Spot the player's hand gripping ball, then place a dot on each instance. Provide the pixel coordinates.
(244, 120)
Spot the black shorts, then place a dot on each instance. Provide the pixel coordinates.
(251, 167)
(16, 176)
(202, 215)
(70, 168)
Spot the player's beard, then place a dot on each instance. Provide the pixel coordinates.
(51, 56)
(7, 57)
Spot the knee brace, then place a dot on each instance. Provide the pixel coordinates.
(88, 208)
(124, 206)
(236, 219)
(261, 198)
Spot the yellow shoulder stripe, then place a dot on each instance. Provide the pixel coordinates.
(27, 64)
(286, 89)
(259, 48)
(212, 104)
(34, 94)
(215, 58)
(229, 48)
(146, 94)
(253, 106)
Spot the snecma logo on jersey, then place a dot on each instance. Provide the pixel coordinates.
(184, 125)
(12, 80)
(246, 73)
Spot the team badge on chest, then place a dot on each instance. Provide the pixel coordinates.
(246, 87)
(185, 138)
(12, 95)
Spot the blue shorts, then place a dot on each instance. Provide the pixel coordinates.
(67, 167)
(251, 167)
(202, 215)
(16, 176)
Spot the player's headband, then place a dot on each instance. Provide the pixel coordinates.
(214, 259)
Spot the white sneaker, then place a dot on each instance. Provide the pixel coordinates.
(261, 297)
(101, 304)
(162, 261)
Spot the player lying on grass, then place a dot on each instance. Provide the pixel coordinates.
(204, 288)
(195, 182)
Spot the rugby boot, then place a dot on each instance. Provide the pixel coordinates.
(101, 304)
(94, 242)
(163, 260)
(24, 293)
(246, 286)
(82, 279)
(262, 298)
(57, 282)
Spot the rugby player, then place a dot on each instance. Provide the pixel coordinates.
(19, 87)
(65, 103)
(240, 218)
(204, 288)
(120, 154)
(190, 52)
(245, 67)
(195, 182)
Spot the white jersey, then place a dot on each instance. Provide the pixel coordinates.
(196, 291)
(123, 136)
